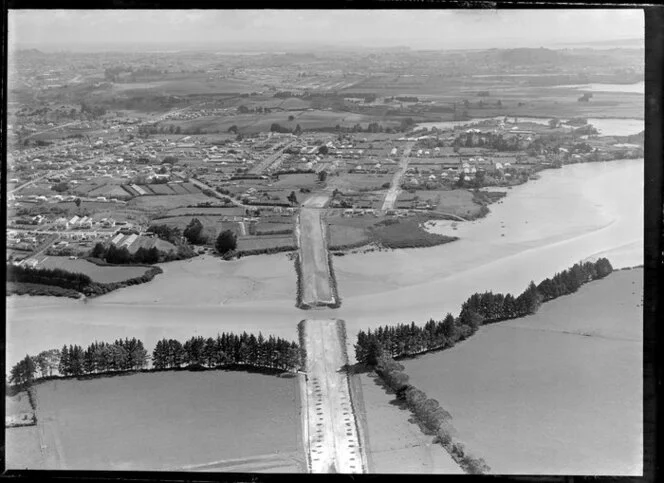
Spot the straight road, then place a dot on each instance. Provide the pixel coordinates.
(267, 162)
(393, 192)
(333, 443)
(221, 196)
(315, 279)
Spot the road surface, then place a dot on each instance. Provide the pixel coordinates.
(267, 162)
(316, 201)
(221, 196)
(393, 192)
(315, 279)
(333, 444)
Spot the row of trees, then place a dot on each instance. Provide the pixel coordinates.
(121, 355)
(227, 349)
(428, 412)
(48, 276)
(479, 308)
(129, 355)
(121, 255)
(496, 307)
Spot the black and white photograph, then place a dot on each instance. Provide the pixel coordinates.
(386, 241)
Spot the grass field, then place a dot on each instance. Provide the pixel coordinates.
(22, 449)
(558, 392)
(166, 202)
(347, 181)
(296, 181)
(344, 235)
(149, 242)
(406, 234)
(252, 123)
(95, 272)
(394, 444)
(457, 202)
(206, 421)
(265, 242)
(234, 211)
(17, 405)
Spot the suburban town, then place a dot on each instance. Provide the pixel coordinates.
(317, 227)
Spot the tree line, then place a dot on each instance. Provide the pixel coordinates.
(121, 355)
(431, 417)
(124, 355)
(121, 255)
(480, 308)
(48, 276)
(228, 349)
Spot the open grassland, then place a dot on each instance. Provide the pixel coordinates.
(100, 274)
(150, 242)
(347, 236)
(253, 123)
(393, 444)
(265, 242)
(189, 84)
(405, 233)
(22, 448)
(558, 392)
(166, 202)
(202, 211)
(458, 202)
(351, 181)
(296, 181)
(205, 421)
(560, 101)
(17, 406)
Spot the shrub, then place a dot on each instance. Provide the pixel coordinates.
(226, 242)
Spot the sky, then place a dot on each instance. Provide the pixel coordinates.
(419, 29)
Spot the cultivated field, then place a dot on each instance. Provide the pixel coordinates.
(533, 395)
(210, 421)
(101, 274)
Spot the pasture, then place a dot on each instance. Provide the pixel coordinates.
(265, 242)
(100, 274)
(458, 202)
(166, 202)
(533, 395)
(177, 421)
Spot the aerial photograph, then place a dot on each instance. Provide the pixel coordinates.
(336, 241)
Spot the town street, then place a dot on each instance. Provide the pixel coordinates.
(393, 192)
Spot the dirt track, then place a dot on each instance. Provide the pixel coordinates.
(315, 278)
(333, 445)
